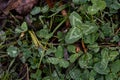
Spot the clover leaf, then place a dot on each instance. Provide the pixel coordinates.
(12, 51)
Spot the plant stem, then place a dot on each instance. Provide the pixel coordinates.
(59, 25)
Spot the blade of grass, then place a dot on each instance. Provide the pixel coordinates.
(35, 40)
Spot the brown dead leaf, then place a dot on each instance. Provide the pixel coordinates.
(25, 6)
(50, 3)
(77, 49)
(11, 4)
(3, 4)
(21, 6)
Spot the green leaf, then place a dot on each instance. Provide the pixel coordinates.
(83, 1)
(23, 59)
(36, 75)
(119, 78)
(56, 75)
(45, 9)
(85, 60)
(24, 26)
(94, 47)
(18, 30)
(71, 48)
(85, 74)
(74, 57)
(44, 33)
(100, 78)
(88, 28)
(78, 28)
(97, 5)
(113, 55)
(79, 1)
(116, 38)
(59, 53)
(91, 38)
(100, 68)
(101, 4)
(57, 9)
(75, 19)
(60, 36)
(35, 10)
(53, 60)
(2, 35)
(73, 35)
(50, 50)
(105, 57)
(12, 51)
(76, 1)
(63, 63)
(92, 75)
(47, 78)
(94, 1)
(106, 29)
(26, 54)
(75, 74)
(115, 5)
(111, 76)
(115, 66)
(92, 10)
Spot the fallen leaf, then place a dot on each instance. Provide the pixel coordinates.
(12, 4)
(21, 6)
(50, 3)
(3, 4)
(25, 6)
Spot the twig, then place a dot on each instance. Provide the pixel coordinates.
(83, 46)
(27, 75)
(117, 31)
